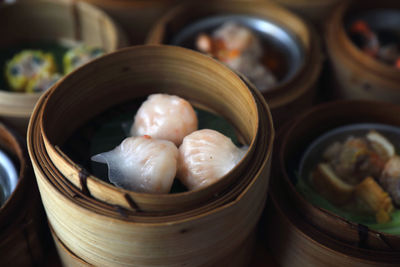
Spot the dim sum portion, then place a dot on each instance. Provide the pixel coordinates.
(165, 117)
(361, 174)
(80, 55)
(240, 49)
(150, 160)
(42, 82)
(390, 178)
(142, 164)
(31, 71)
(382, 44)
(205, 156)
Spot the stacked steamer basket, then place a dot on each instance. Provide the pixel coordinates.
(96, 223)
(303, 234)
(21, 215)
(135, 16)
(356, 75)
(292, 42)
(50, 21)
(315, 11)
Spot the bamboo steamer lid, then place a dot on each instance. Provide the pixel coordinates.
(21, 216)
(50, 20)
(135, 16)
(105, 225)
(288, 97)
(355, 75)
(324, 236)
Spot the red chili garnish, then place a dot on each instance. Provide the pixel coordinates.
(397, 63)
(360, 26)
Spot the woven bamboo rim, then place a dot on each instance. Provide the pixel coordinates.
(135, 16)
(161, 57)
(62, 20)
(357, 75)
(287, 98)
(180, 225)
(356, 239)
(128, 3)
(303, 3)
(21, 221)
(316, 11)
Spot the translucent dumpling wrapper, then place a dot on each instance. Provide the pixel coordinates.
(165, 117)
(205, 156)
(238, 38)
(260, 76)
(241, 50)
(142, 164)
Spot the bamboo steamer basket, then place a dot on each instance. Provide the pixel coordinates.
(50, 20)
(66, 256)
(289, 97)
(22, 228)
(324, 237)
(313, 10)
(240, 257)
(355, 75)
(105, 225)
(134, 16)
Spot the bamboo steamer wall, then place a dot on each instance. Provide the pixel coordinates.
(286, 99)
(355, 75)
(240, 257)
(22, 225)
(50, 20)
(300, 233)
(104, 225)
(135, 16)
(313, 10)
(67, 257)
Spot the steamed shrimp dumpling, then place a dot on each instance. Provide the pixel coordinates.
(205, 156)
(239, 48)
(165, 117)
(142, 164)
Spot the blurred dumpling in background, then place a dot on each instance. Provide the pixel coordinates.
(205, 156)
(78, 56)
(240, 49)
(42, 82)
(360, 174)
(166, 117)
(390, 178)
(141, 164)
(27, 70)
